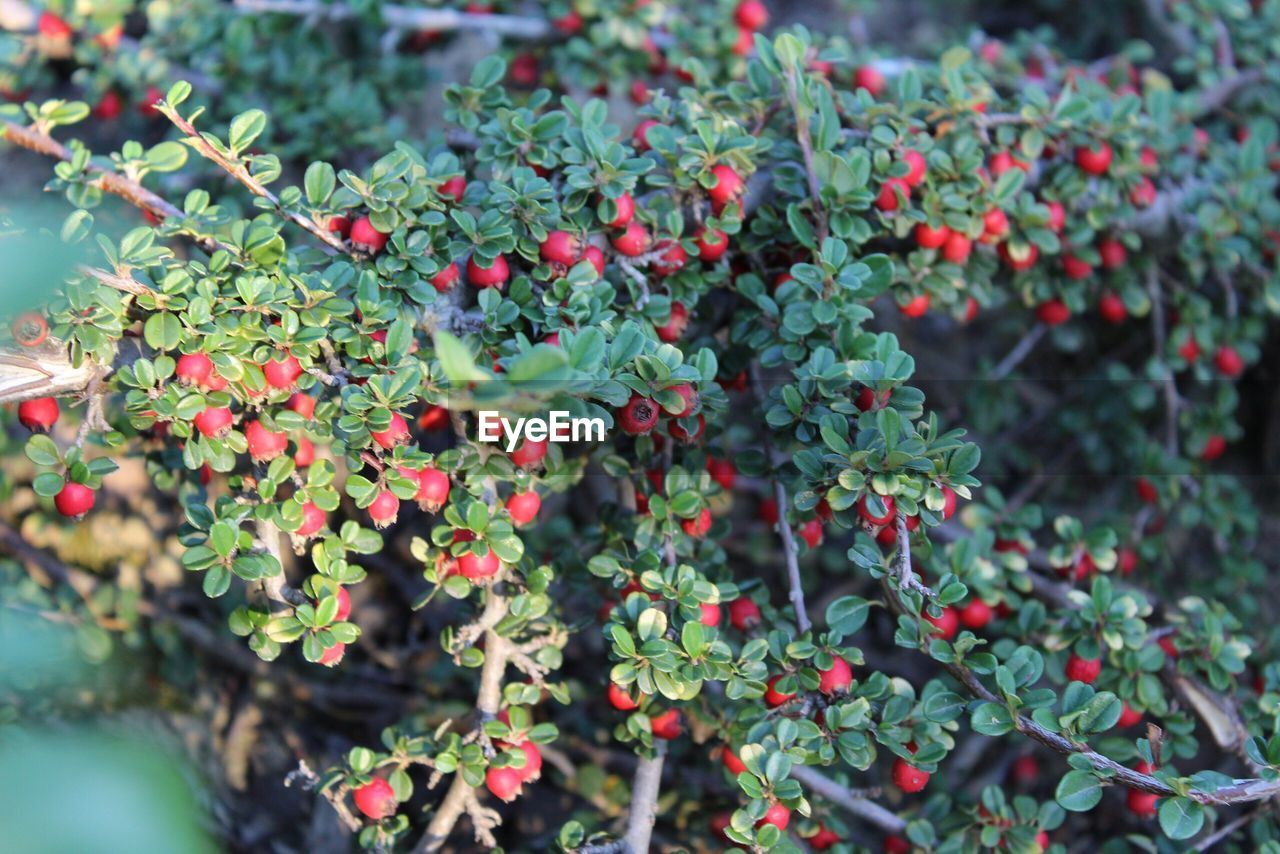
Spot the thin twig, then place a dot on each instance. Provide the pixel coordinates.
(1019, 352)
(645, 786)
(806, 151)
(842, 797)
(413, 19)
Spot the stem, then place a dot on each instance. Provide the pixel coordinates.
(1019, 352)
(840, 795)
(806, 150)
(407, 18)
(644, 799)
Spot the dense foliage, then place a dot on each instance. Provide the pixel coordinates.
(293, 284)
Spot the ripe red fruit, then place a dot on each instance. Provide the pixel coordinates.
(194, 369)
(633, 241)
(976, 614)
(916, 167)
(505, 782)
(1053, 312)
(332, 656)
(729, 187)
(596, 257)
(1084, 670)
(1146, 491)
(1128, 716)
(712, 243)
(1057, 216)
(957, 248)
(523, 507)
(836, 678)
(811, 533)
(532, 769)
(666, 725)
(917, 306)
(995, 225)
(1094, 160)
(529, 453)
(29, 329)
(824, 839)
(1112, 253)
(303, 404)
(312, 521)
(213, 421)
(888, 199)
(476, 567)
(699, 525)
(396, 433)
(772, 696)
(376, 799)
(866, 511)
(524, 70)
(1026, 770)
(907, 777)
(949, 501)
(731, 762)
(869, 78)
(366, 237)
(1228, 361)
(690, 398)
(305, 455)
(638, 416)
(710, 614)
(454, 188)
(1042, 840)
(560, 247)
(38, 415)
(744, 614)
(620, 699)
(109, 106)
(384, 509)
(1023, 258)
(947, 624)
(751, 14)
(931, 238)
(777, 815)
(1076, 269)
(339, 225)
(626, 211)
(74, 500)
(444, 280)
(674, 328)
(282, 374)
(1003, 161)
(671, 258)
(264, 444)
(896, 845)
(433, 489)
(152, 97)
(52, 26)
(1128, 561)
(1144, 194)
(1142, 804)
(639, 136)
(1214, 447)
(494, 276)
(1112, 308)
(723, 472)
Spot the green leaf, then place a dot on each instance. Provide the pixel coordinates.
(319, 182)
(246, 127)
(1078, 791)
(1181, 818)
(456, 360)
(847, 614)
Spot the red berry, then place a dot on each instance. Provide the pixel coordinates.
(1146, 491)
(729, 187)
(303, 404)
(494, 276)
(264, 444)
(869, 78)
(530, 453)
(957, 248)
(313, 520)
(524, 70)
(366, 237)
(1228, 362)
(1053, 312)
(339, 225)
(1144, 194)
(976, 614)
(454, 188)
(396, 433)
(917, 306)
(1112, 253)
(699, 525)
(1021, 258)
(476, 567)
(433, 489)
(711, 243)
(931, 238)
(1084, 670)
(444, 280)
(836, 678)
(1128, 561)
(907, 777)
(523, 507)
(674, 328)
(723, 472)
(731, 762)
(305, 455)
(569, 23)
(560, 247)
(666, 725)
(1166, 644)
(896, 845)
(626, 211)
(866, 511)
(109, 106)
(949, 501)
(777, 815)
(213, 421)
(38, 415)
(640, 135)
(751, 14)
(54, 27)
(772, 696)
(194, 369)
(690, 398)
(282, 374)
(916, 167)
(1142, 804)
(384, 509)
(824, 839)
(376, 799)
(1057, 216)
(596, 257)
(638, 416)
(995, 225)
(947, 624)
(1128, 717)
(744, 614)
(532, 769)
(74, 500)
(888, 199)
(1094, 160)
(1214, 447)
(1076, 269)
(620, 699)
(505, 782)
(152, 97)
(29, 329)
(671, 258)
(1112, 308)
(1026, 770)
(710, 614)
(633, 241)
(1003, 161)
(811, 533)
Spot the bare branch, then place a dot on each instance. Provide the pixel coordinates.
(840, 795)
(407, 18)
(1019, 352)
(645, 786)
